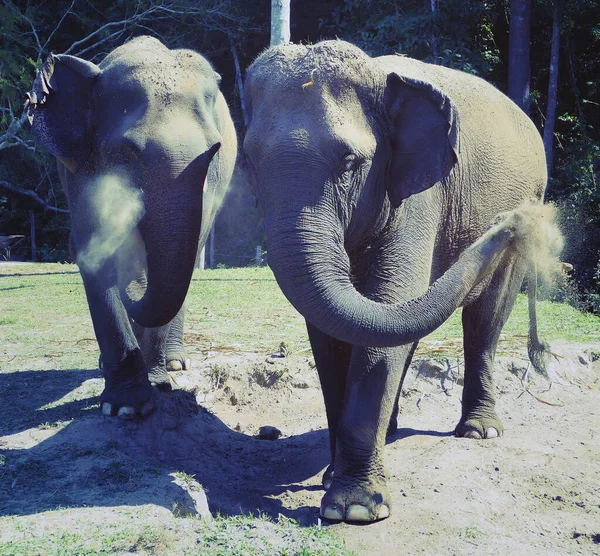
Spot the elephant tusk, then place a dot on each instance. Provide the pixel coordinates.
(312, 80)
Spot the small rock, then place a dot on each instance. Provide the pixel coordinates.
(583, 360)
(269, 433)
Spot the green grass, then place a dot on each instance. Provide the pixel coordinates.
(246, 535)
(45, 324)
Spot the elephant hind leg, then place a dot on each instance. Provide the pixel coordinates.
(176, 356)
(483, 320)
(393, 424)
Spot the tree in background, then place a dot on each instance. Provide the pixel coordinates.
(470, 35)
(519, 72)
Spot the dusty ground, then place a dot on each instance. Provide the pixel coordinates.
(535, 490)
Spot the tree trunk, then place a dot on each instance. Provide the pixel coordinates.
(280, 22)
(32, 229)
(518, 53)
(552, 85)
(239, 81)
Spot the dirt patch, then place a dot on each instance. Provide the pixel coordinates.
(535, 489)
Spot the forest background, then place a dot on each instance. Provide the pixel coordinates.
(545, 54)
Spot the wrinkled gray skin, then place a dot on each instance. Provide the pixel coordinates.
(374, 176)
(156, 118)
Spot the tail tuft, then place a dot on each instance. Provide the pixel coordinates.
(539, 354)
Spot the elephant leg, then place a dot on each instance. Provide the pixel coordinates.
(482, 323)
(127, 390)
(332, 359)
(153, 344)
(359, 490)
(393, 424)
(176, 355)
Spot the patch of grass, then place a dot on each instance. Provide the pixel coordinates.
(473, 532)
(227, 309)
(259, 535)
(54, 533)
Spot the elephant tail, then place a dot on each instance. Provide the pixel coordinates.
(538, 350)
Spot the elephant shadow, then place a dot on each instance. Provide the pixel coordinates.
(100, 461)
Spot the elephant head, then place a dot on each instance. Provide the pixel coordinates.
(146, 117)
(333, 145)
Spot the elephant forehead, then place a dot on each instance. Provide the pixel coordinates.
(325, 122)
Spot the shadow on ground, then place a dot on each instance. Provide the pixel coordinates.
(100, 461)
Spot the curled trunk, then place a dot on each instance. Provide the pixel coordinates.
(170, 231)
(313, 273)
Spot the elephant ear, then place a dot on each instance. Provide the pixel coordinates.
(424, 138)
(58, 106)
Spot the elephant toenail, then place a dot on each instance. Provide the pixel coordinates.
(334, 513)
(187, 365)
(492, 433)
(106, 409)
(384, 512)
(473, 434)
(126, 412)
(174, 365)
(146, 409)
(358, 513)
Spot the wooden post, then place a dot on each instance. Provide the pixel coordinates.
(280, 22)
(211, 247)
(200, 257)
(32, 230)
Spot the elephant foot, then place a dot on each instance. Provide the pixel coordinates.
(177, 359)
(362, 503)
(159, 377)
(179, 365)
(328, 477)
(127, 404)
(480, 427)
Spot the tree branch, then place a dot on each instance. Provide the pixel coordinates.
(31, 197)
(69, 9)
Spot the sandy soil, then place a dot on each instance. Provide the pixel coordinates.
(536, 490)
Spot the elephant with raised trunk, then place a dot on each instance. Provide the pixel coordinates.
(378, 178)
(146, 149)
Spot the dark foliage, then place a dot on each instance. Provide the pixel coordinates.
(466, 34)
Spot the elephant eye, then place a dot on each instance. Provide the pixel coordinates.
(350, 162)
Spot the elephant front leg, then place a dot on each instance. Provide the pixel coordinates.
(127, 390)
(482, 323)
(359, 489)
(332, 359)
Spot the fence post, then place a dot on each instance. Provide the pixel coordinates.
(258, 258)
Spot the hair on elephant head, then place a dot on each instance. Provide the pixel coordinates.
(379, 178)
(146, 149)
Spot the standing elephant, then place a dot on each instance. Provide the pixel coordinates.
(376, 176)
(146, 148)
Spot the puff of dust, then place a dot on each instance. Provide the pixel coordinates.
(117, 208)
(537, 237)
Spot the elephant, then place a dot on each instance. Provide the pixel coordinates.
(146, 148)
(378, 178)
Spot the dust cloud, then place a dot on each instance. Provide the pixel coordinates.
(117, 208)
(538, 238)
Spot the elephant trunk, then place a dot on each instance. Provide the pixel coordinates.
(171, 243)
(313, 270)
